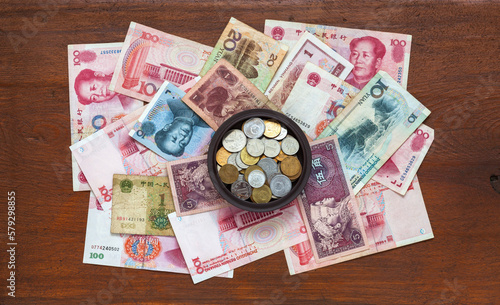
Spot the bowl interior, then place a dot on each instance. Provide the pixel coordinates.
(236, 122)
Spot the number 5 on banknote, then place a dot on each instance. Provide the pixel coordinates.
(328, 206)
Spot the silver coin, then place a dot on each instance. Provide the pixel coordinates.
(280, 185)
(254, 128)
(268, 165)
(239, 162)
(290, 145)
(282, 134)
(257, 178)
(241, 177)
(232, 160)
(271, 148)
(234, 140)
(241, 189)
(255, 147)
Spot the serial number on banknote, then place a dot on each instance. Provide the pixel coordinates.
(105, 248)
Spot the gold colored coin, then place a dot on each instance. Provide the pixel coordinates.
(247, 159)
(251, 169)
(262, 194)
(221, 156)
(228, 173)
(290, 166)
(293, 178)
(273, 128)
(280, 157)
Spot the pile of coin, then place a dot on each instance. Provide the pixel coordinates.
(259, 160)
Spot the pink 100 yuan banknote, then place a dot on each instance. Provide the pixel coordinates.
(390, 221)
(149, 57)
(398, 172)
(368, 51)
(232, 237)
(92, 105)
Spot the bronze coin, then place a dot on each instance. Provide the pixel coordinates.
(262, 194)
(222, 155)
(228, 173)
(290, 166)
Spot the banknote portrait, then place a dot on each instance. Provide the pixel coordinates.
(366, 54)
(176, 134)
(93, 87)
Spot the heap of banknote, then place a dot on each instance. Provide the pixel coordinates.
(143, 113)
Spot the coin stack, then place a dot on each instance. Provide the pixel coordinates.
(259, 160)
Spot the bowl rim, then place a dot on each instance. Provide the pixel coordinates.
(263, 114)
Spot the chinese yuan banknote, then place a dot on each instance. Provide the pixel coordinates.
(328, 205)
(149, 57)
(390, 221)
(190, 84)
(232, 237)
(398, 172)
(92, 105)
(141, 205)
(222, 92)
(368, 51)
(111, 151)
(308, 49)
(255, 55)
(192, 189)
(170, 128)
(374, 125)
(326, 96)
(159, 253)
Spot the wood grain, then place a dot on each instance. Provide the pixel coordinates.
(454, 71)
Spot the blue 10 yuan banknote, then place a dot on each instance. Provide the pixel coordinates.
(170, 128)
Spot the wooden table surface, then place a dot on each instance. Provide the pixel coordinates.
(454, 71)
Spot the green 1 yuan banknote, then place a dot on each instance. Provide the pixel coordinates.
(141, 205)
(374, 125)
